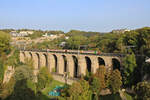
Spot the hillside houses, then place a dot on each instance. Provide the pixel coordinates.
(21, 33)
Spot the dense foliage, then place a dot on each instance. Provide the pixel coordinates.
(115, 81)
(23, 72)
(129, 69)
(4, 43)
(80, 90)
(36, 34)
(96, 87)
(143, 91)
(5, 49)
(44, 78)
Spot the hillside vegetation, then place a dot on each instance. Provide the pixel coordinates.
(134, 77)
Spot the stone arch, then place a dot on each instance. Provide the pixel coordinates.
(31, 56)
(101, 61)
(38, 60)
(76, 69)
(116, 64)
(88, 63)
(65, 63)
(56, 65)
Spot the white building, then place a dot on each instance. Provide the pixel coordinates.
(45, 35)
(26, 32)
(147, 60)
(62, 44)
(21, 33)
(66, 37)
(120, 30)
(50, 35)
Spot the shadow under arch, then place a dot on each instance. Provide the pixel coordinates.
(55, 59)
(116, 64)
(31, 56)
(101, 61)
(24, 55)
(88, 63)
(65, 63)
(46, 60)
(39, 63)
(76, 69)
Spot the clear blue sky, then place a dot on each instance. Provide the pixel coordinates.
(88, 15)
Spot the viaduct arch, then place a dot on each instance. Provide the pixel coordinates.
(74, 64)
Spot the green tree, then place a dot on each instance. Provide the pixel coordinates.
(13, 59)
(1, 71)
(145, 71)
(7, 88)
(74, 42)
(143, 45)
(80, 90)
(100, 74)
(129, 63)
(23, 73)
(5, 49)
(4, 43)
(115, 81)
(96, 87)
(75, 91)
(130, 38)
(44, 78)
(22, 89)
(22, 92)
(143, 91)
(36, 34)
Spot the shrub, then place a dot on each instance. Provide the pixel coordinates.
(44, 78)
(115, 81)
(80, 91)
(143, 91)
(23, 72)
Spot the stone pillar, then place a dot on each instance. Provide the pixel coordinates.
(28, 55)
(35, 65)
(22, 57)
(60, 61)
(43, 59)
(81, 65)
(108, 62)
(35, 61)
(70, 65)
(95, 64)
(51, 62)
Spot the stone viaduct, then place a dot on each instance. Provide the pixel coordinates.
(76, 64)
